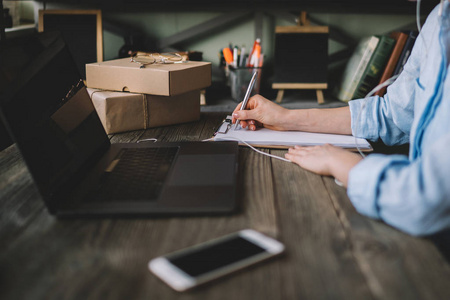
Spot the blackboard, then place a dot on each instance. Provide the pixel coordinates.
(301, 59)
(301, 55)
(80, 29)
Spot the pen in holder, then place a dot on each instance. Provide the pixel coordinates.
(239, 79)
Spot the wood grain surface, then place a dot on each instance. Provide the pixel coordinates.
(332, 252)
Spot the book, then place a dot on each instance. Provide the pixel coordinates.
(412, 35)
(355, 67)
(400, 41)
(375, 67)
(267, 138)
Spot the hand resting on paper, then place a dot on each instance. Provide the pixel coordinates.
(325, 160)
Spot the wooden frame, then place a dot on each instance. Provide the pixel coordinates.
(97, 27)
(303, 27)
(319, 87)
(78, 12)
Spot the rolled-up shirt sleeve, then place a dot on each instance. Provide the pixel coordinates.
(409, 195)
(388, 118)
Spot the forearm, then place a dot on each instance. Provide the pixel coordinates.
(340, 166)
(332, 120)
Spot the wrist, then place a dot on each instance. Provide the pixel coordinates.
(332, 120)
(341, 164)
(295, 119)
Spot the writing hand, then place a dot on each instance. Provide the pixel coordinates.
(261, 112)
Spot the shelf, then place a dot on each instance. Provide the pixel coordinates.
(336, 6)
(20, 27)
(20, 30)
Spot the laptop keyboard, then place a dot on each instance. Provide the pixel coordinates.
(139, 174)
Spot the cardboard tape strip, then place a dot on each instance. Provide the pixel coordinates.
(144, 105)
(146, 119)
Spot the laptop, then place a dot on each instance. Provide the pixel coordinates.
(78, 172)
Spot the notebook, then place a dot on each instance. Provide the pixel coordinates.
(78, 172)
(264, 137)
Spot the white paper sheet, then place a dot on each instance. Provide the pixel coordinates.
(267, 137)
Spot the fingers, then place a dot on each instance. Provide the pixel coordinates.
(301, 150)
(298, 154)
(253, 117)
(238, 107)
(252, 127)
(310, 148)
(249, 123)
(244, 114)
(296, 149)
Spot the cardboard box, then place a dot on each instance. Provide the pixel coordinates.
(154, 79)
(122, 111)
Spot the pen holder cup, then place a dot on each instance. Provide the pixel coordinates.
(239, 78)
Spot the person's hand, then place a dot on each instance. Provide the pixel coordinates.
(325, 160)
(261, 112)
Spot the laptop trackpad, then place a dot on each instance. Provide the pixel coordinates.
(203, 170)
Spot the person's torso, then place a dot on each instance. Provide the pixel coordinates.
(432, 89)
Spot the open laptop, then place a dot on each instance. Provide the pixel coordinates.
(77, 170)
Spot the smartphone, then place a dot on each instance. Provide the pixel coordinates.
(187, 268)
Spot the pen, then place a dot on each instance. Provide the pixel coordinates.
(257, 55)
(247, 95)
(252, 52)
(242, 59)
(228, 55)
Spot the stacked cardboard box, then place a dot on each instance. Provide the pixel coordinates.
(128, 97)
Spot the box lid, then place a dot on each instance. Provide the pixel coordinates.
(154, 79)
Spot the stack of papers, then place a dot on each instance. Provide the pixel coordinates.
(284, 139)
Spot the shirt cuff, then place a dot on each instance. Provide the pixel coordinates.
(363, 124)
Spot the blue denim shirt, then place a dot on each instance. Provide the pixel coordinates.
(410, 193)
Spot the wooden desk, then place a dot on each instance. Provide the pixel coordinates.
(332, 252)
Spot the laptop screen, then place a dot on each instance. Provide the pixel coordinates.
(48, 111)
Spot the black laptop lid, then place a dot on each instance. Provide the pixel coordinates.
(39, 83)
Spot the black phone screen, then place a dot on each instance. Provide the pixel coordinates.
(215, 256)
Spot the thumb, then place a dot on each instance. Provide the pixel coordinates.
(245, 115)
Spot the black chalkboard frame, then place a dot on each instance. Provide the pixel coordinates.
(285, 68)
(74, 24)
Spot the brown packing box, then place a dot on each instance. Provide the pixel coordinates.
(154, 79)
(123, 111)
